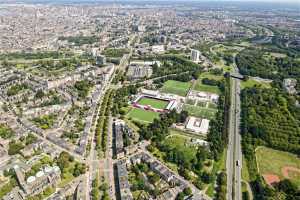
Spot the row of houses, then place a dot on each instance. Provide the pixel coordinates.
(103, 74)
(164, 172)
(46, 177)
(124, 186)
(120, 128)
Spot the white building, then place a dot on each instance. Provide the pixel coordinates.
(197, 125)
(290, 84)
(158, 49)
(195, 55)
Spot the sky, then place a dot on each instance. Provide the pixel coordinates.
(266, 1)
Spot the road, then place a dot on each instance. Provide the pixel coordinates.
(234, 151)
(105, 165)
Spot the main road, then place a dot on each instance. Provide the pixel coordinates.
(234, 151)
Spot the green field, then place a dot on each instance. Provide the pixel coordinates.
(245, 172)
(270, 161)
(201, 112)
(199, 86)
(142, 115)
(251, 83)
(183, 143)
(155, 103)
(176, 87)
(184, 133)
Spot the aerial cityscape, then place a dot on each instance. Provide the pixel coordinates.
(149, 100)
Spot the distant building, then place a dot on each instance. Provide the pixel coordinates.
(100, 60)
(150, 63)
(195, 55)
(158, 49)
(139, 71)
(139, 28)
(290, 84)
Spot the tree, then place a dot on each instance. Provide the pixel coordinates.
(14, 147)
(154, 178)
(287, 186)
(206, 177)
(64, 159)
(79, 169)
(187, 191)
(95, 190)
(180, 196)
(183, 115)
(39, 94)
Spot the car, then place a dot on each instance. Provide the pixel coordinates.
(238, 163)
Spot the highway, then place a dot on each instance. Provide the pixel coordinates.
(234, 151)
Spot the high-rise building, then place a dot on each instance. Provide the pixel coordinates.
(195, 55)
(100, 60)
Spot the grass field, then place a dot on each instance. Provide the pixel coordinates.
(251, 83)
(272, 161)
(176, 87)
(245, 172)
(201, 112)
(142, 115)
(199, 86)
(182, 143)
(155, 103)
(184, 133)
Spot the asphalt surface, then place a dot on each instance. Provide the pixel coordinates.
(234, 151)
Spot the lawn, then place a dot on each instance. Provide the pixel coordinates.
(176, 87)
(45, 121)
(272, 161)
(245, 172)
(6, 188)
(142, 115)
(183, 133)
(199, 86)
(183, 143)
(201, 112)
(251, 83)
(155, 103)
(114, 52)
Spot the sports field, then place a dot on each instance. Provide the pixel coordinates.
(199, 86)
(142, 115)
(155, 103)
(201, 112)
(176, 87)
(274, 164)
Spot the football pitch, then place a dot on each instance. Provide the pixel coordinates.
(155, 103)
(197, 111)
(141, 115)
(176, 87)
(278, 163)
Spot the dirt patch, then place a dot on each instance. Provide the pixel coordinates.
(290, 172)
(271, 179)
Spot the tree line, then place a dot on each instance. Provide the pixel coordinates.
(270, 118)
(101, 131)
